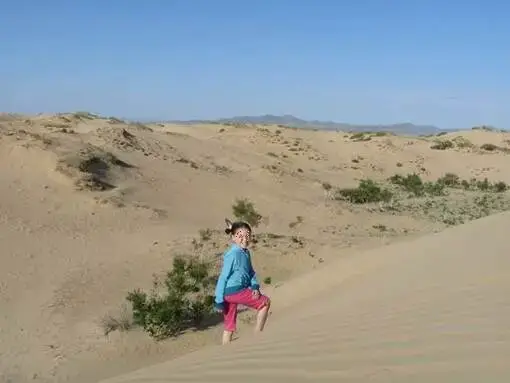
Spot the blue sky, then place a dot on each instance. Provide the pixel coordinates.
(357, 61)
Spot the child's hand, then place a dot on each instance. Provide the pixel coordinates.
(219, 307)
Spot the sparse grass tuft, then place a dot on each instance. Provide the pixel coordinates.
(299, 220)
(244, 210)
(380, 227)
(205, 234)
(122, 322)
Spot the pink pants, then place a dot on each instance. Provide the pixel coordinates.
(245, 298)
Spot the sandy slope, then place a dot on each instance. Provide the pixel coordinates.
(436, 309)
(70, 253)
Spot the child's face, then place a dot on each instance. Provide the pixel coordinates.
(242, 238)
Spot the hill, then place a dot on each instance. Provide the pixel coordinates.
(291, 121)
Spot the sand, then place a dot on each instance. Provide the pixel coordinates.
(434, 309)
(91, 208)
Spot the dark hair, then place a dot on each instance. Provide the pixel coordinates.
(234, 227)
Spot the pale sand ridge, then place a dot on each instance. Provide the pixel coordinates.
(436, 310)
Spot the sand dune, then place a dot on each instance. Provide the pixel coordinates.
(91, 208)
(436, 309)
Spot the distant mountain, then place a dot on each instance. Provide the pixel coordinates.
(292, 121)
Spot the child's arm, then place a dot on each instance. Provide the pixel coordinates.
(228, 261)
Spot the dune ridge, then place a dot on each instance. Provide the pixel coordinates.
(436, 308)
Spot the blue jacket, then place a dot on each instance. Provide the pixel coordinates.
(236, 274)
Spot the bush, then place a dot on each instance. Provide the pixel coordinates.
(185, 304)
(245, 210)
(483, 185)
(435, 189)
(500, 187)
(367, 192)
(415, 185)
(450, 180)
(462, 142)
(442, 145)
(411, 183)
(489, 147)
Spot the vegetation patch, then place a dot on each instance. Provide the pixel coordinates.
(92, 167)
(443, 145)
(449, 199)
(368, 191)
(494, 148)
(182, 301)
(367, 136)
(244, 210)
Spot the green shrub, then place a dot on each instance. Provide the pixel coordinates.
(465, 184)
(358, 136)
(483, 185)
(450, 180)
(434, 189)
(245, 210)
(411, 183)
(489, 147)
(500, 187)
(367, 192)
(185, 304)
(442, 145)
(462, 142)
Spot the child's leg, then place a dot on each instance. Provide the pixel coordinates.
(262, 316)
(261, 304)
(230, 319)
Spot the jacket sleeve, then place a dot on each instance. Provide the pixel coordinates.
(254, 283)
(228, 262)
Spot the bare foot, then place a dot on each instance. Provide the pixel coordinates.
(227, 337)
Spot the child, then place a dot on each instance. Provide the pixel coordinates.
(237, 283)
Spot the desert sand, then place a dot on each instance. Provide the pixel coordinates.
(93, 207)
(434, 309)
